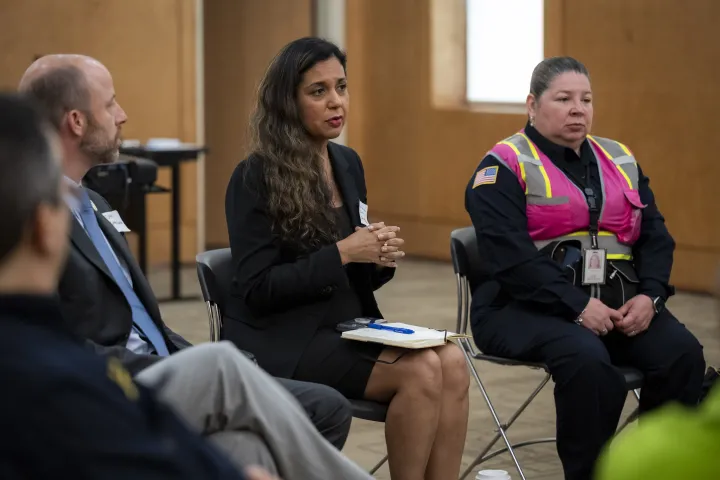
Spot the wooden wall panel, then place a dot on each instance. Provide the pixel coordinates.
(654, 75)
(417, 158)
(655, 80)
(241, 38)
(149, 47)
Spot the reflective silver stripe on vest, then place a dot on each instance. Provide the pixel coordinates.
(535, 200)
(625, 162)
(501, 161)
(536, 189)
(535, 182)
(605, 241)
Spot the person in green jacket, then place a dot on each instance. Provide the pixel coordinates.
(673, 443)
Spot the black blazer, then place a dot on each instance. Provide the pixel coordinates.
(93, 305)
(279, 295)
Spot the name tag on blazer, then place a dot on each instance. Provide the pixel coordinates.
(363, 214)
(117, 222)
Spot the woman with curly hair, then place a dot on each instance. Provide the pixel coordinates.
(307, 258)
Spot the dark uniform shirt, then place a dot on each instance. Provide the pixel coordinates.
(519, 271)
(65, 412)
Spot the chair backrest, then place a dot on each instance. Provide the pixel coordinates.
(215, 273)
(466, 255)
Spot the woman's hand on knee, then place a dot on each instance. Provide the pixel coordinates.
(598, 317)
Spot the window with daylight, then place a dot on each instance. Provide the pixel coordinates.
(505, 40)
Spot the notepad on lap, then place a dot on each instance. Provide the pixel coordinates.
(421, 338)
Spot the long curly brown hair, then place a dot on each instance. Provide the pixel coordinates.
(298, 197)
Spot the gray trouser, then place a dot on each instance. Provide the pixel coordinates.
(223, 395)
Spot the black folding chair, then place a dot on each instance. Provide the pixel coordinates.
(215, 273)
(466, 264)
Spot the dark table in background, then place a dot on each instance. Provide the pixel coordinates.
(169, 156)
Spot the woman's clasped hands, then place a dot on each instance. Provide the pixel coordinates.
(376, 243)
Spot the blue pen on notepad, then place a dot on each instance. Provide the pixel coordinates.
(380, 326)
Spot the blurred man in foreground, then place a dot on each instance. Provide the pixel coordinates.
(63, 409)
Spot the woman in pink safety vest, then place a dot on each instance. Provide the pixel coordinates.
(576, 264)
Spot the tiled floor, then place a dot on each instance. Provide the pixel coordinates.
(424, 293)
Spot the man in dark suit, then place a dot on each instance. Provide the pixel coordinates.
(105, 297)
(64, 409)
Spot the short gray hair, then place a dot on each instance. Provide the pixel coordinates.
(60, 90)
(546, 71)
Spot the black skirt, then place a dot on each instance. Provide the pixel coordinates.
(344, 365)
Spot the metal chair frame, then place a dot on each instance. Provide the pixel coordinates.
(210, 289)
(462, 265)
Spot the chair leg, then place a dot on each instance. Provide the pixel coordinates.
(501, 428)
(379, 464)
(216, 320)
(208, 306)
(633, 416)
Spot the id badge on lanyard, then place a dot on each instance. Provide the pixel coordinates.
(594, 258)
(594, 262)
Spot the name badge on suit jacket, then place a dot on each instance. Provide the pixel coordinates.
(363, 214)
(117, 222)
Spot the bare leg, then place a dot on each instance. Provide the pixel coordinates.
(446, 454)
(413, 387)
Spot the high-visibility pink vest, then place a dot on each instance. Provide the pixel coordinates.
(557, 209)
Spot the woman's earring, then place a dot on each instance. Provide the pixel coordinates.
(532, 121)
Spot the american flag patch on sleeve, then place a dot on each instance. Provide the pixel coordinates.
(485, 176)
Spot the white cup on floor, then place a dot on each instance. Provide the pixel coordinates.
(493, 475)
